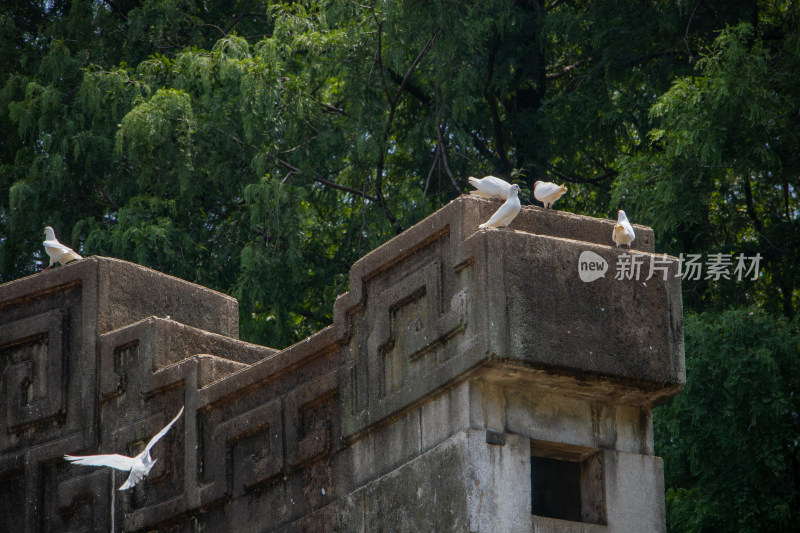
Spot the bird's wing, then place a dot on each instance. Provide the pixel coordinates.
(160, 434)
(137, 474)
(57, 246)
(496, 186)
(622, 235)
(60, 253)
(545, 190)
(628, 228)
(511, 213)
(491, 186)
(120, 462)
(615, 235)
(498, 218)
(478, 192)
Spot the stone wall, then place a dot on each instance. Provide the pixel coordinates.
(470, 381)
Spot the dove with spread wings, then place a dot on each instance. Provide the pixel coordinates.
(138, 466)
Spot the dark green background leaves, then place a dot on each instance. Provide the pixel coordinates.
(260, 148)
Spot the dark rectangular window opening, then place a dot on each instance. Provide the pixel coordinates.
(567, 482)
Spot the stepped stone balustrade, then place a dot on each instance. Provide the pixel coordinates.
(470, 381)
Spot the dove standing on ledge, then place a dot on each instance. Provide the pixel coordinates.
(507, 212)
(490, 187)
(623, 231)
(58, 252)
(547, 192)
(138, 466)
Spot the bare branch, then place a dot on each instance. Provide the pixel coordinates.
(553, 4)
(217, 28)
(430, 172)
(116, 8)
(410, 88)
(566, 70)
(237, 18)
(497, 127)
(442, 147)
(686, 33)
(345, 188)
(413, 66)
(751, 208)
(393, 102)
(580, 179)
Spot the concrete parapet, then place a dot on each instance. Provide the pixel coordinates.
(470, 381)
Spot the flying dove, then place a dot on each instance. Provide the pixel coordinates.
(507, 212)
(623, 231)
(490, 187)
(58, 252)
(138, 466)
(547, 192)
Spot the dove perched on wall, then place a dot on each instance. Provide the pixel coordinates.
(490, 187)
(623, 231)
(58, 252)
(138, 466)
(507, 212)
(547, 192)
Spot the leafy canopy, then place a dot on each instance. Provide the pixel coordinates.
(260, 148)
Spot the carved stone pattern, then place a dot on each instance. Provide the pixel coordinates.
(167, 452)
(31, 361)
(412, 328)
(83, 501)
(250, 446)
(309, 411)
(123, 356)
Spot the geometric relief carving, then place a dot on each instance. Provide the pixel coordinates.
(310, 410)
(165, 481)
(83, 503)
(412, 328)
(114, 384)
(242, 452)
(32, 382)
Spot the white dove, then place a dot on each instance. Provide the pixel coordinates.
(490, 187)
(547, 192)
(58, 252)
(138, 466)
(623, 231)
(507, 212)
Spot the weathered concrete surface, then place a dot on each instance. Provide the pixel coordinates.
(457, 356)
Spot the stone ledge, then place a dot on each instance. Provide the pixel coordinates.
(124, 293)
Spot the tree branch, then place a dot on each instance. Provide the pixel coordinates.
(553, 4)
(413, 66)
(497, 127)
(751, 208)
(442, 146)
(393, 102)
(410, 88)
(430, 172)
(345, 188)
(686, 33)
(237, 18)
(580, 179)
(116, 8)
(566, 70)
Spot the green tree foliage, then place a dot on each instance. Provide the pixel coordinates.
(729, 440)
(722, 177)
(723, 172)
(261, 147)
